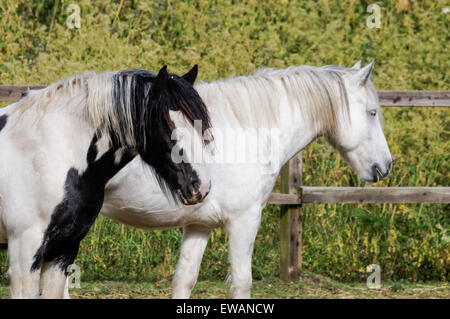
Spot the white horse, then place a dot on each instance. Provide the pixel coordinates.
(60, 146)
(294, 106)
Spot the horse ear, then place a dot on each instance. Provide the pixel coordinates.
(357, 65)
(191, 75)
(161, 80)
(364, 74)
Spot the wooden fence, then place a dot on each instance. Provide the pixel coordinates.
(293, 194)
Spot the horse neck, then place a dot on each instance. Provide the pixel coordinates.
(65, 116)
(295, 129)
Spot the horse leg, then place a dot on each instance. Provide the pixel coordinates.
(21, 251)
(66, 289)
(193, 245)
(54, 276)
(53, 281)
(242, 233)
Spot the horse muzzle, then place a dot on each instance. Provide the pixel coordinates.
(378, 173)
(195, 193)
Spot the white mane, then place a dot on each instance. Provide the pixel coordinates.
(318, 93)
(93, 96)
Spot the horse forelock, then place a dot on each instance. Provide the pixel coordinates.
(186, 99)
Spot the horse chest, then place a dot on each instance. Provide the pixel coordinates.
(81, 204)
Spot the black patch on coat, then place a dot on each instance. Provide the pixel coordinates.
(3, 120)
(83, 199)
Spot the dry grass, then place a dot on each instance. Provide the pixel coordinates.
(310, 286)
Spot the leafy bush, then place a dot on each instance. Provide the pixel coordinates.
(237, 37)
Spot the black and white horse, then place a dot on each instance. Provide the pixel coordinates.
(279, 112)
(62, 144)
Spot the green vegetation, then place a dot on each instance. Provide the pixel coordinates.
(310, 286)
(410, 242)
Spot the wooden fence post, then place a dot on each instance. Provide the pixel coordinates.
(291, 222)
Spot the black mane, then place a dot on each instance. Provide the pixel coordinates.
(140, 94)
(136, 85)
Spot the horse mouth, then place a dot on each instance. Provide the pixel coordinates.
(378, 175)
(195, 199)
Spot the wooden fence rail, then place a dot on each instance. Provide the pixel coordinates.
(363, 195)
(14, 92)
(294, 194)
(414, 98)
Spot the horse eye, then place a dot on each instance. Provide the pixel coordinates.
(373, 112)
